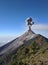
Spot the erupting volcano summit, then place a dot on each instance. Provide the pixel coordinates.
(29, 22)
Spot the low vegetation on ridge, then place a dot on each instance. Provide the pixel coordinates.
(30, 53)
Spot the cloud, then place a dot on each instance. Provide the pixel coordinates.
(40, 27)
(5, 39)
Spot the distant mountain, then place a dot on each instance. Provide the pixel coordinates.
(28, 49)
(17, 42)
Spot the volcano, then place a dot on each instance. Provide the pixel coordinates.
(17, 42)
(14, 44)
(25, 49)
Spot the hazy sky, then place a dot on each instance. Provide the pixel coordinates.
(13, 14)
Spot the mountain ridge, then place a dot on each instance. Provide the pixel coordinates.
(19, 40)
(22, 42)
(27, 35)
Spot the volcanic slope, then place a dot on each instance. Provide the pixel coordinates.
(28, 49)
